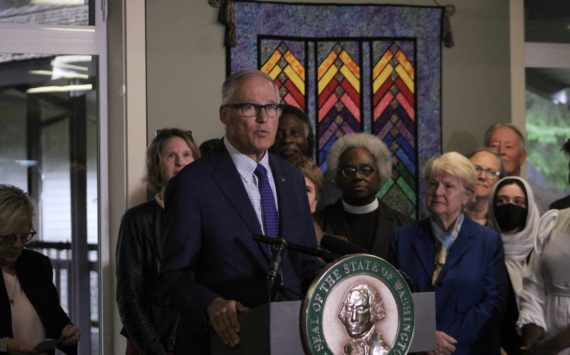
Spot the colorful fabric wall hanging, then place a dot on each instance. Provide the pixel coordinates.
(353, 68)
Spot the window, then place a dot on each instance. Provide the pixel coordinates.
(547, 118)
(52, 12)
(51, 117)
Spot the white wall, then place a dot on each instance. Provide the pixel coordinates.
(186, 64)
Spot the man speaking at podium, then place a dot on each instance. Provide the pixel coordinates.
(213, 269)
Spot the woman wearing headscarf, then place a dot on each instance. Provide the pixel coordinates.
(513, 213)
(461, 261)
(150, 327)
(29, 303)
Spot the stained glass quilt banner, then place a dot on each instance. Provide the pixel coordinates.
(354, 68)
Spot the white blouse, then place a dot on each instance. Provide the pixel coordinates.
(545, 300)
(26, 323)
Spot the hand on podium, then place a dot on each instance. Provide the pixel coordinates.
(223, 318)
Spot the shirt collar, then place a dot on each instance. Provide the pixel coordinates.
(372, 206)
(244, 164)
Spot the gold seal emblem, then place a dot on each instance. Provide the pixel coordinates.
(359, 305)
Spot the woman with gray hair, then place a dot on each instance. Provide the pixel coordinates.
(460, 260)
(29, 303)
(359, 164)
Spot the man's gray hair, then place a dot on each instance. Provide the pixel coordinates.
(231, 82)
(514, 128)
(367, 141)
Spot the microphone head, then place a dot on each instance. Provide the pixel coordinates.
(340, 246)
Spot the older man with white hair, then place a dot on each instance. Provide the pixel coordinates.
(509, 143)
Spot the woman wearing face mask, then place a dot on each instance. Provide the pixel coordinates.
(514, 214)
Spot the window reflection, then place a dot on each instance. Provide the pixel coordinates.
(48, 147)
(53, 12)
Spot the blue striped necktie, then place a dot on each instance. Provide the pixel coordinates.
(269, 213)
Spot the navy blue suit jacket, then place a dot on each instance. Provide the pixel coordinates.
(210, 222)
(471, 290)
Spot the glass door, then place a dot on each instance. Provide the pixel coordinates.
(51, 117)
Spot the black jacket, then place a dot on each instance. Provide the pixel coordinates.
(149, 325)
(332, 220)
(35, 274)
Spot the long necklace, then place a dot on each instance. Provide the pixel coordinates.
(12, 297)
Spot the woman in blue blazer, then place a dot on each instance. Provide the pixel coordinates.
(458, 259)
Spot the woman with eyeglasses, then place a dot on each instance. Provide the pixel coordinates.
(513, 213)
(360, 163)
(30, 311)
(460, 260)
(489, 168)
(149, 326)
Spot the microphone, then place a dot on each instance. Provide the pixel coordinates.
(340, 246)
(316, 251)
(273, 274)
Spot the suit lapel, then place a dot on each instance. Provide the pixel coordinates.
(424, 247)
(226, 176)
(6, 319)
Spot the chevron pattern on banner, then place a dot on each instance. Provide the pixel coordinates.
(382, 77)
(339, 97)
(394, 113)
(288, 72)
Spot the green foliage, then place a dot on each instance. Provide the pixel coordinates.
(547, 128)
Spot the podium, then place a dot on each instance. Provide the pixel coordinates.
(274, 329)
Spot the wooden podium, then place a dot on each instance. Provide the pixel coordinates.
(273, 329)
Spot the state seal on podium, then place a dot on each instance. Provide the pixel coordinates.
(358, 305)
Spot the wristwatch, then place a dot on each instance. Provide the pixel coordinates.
(4, 344)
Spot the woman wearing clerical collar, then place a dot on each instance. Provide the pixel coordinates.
(360, 163)
(29, 304)
(460, 260)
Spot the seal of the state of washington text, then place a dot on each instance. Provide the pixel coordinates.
(359, 305)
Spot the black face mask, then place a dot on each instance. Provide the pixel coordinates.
(510, 217)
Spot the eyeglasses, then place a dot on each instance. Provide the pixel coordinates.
(505, 200)
(490, 173)
(24, 237)
(350, 171)
(249, 109)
